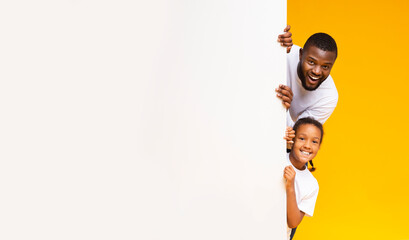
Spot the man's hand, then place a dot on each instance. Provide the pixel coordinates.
(285, 39)
(289, 136)
(289, 176)
(285, 94)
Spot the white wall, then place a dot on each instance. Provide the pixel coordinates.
(141, 120)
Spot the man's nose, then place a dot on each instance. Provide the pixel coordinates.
(317, 70)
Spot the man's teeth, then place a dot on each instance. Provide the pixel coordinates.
(314, 78)
(305, 153)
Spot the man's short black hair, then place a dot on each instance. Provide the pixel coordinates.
(322, 41)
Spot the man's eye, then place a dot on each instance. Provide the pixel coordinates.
(325, 67)
(311, 62)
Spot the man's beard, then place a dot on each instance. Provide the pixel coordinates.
(304, 81)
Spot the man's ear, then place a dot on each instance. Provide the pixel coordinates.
(300, 53)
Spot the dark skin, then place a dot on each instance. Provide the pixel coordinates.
(284, 92)
(285, 39)
(315, 66)
(313, 69)
(294, 214)
(289, 136)
(307, 142)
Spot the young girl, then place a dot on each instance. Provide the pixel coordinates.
(301, 186)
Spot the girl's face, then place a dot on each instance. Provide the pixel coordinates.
(307, 142)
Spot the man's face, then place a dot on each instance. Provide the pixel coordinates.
(314, 66)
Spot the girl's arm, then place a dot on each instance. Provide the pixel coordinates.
(294, 215)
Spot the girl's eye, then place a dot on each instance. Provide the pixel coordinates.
(315, 142)
(301, 138)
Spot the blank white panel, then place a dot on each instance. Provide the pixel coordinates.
(141, 119)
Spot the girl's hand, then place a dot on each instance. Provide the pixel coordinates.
(289, 176)
(289, 136)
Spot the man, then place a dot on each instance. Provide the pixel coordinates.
(310, 90)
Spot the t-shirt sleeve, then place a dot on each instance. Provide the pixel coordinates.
(307, 204)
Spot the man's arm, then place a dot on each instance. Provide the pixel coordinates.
(294, 215)
(284, 92)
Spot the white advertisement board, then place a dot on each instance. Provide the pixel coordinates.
(142, 119)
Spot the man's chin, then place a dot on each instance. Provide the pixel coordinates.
(310, 88)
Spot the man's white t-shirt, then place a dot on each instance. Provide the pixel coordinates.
(318, 104)
(306, 190)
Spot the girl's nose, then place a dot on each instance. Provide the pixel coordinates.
(307, 145)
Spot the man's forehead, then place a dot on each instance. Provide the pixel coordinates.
(319, 54)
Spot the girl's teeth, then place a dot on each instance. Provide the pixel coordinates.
(305, 153)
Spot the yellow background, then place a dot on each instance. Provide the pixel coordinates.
(363, 164)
